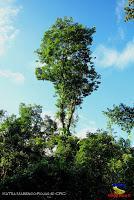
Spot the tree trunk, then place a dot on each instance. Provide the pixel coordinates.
(72, 110)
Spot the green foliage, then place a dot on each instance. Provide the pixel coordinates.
(66, 149)
(35, 156)
(82, 168)
(104, 161)
(129, 10)
(94, 155)
(67, 62)
(24, 138)
(123, 116)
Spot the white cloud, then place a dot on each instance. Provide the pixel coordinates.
(83, 132)
(120, 33)
(14, 76)
(108, 57)
(7, 1)
(87, 126)
(8, 31)
(119, 10)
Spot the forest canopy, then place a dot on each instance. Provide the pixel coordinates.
(38, 155)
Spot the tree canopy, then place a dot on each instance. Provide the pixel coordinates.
(67, 62)
(24, 139)
(82, 168)
(123, 116)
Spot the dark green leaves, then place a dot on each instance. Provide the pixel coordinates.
(67, 62)
(123, 116)
(129, 10)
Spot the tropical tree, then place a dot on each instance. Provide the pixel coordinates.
(66, 61)
(122, 116)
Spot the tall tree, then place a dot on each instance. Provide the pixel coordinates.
(67, 62)
(129, 9)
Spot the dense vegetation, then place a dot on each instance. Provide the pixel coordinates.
(37, 155)
(82, 168)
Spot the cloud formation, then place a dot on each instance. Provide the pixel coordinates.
(6, 1)
(13, 76)
(8, 31)
(110, 57)
(119, 9)
(83, 132)
(88, 125)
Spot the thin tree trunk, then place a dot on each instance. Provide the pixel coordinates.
(62, 116)
(72, 109)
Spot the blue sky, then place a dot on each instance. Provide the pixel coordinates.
(22, 25)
